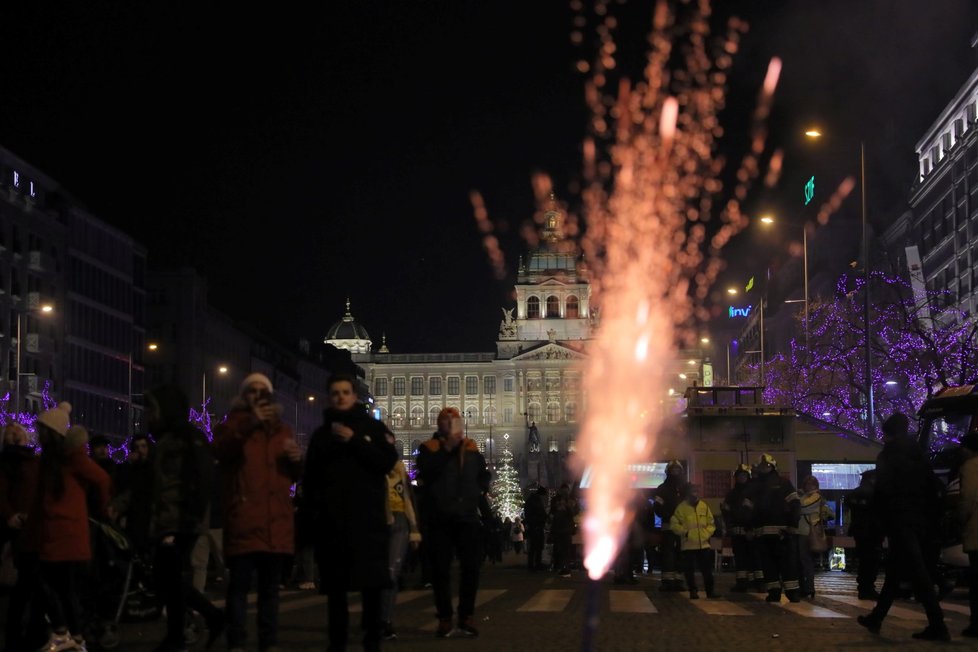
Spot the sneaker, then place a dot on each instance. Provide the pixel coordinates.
(931, 633)
(444, 628)
(467, 627)
(59, 643)
(869, 623)
(387, 632)
(971, 631)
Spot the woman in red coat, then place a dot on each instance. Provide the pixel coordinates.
(56, 529)
(259, 461)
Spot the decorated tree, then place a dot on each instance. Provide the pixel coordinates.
(504, 492)
(920, 342)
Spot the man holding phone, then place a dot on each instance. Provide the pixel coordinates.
(259, 461)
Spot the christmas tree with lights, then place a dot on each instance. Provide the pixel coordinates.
(505, 493)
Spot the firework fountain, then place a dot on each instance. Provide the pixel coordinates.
(656, 215)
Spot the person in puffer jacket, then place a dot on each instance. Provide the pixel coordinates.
(692, 522)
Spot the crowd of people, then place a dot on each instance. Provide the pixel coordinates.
(347, 508)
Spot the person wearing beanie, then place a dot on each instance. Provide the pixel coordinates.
(259, 461)
(907, 499)
(19, 466)
(346, 487)
(56, 529)
(455, 480)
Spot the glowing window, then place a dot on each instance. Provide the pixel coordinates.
(533, 308)
(573, 307)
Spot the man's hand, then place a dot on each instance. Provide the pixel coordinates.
(16, 521)
(168, 540)
(292, 451)
(341, 431)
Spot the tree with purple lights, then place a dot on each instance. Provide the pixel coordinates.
(920, 342)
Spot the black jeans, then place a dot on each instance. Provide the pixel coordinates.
(447, 540)
(742, 557)
(562, 551)
(906, 561)
(172, 577)
(534, 548)
(59, 587)
(702, 558)
(868, 554)
(339, 619)
(269, 570)
(25, 625)
(779, 556)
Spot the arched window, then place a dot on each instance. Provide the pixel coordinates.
(490, 415)
(471, 415)
(573, 308)
(553, 306)
(417, 416)
(533, 308)
(533, 411)
(433, 415)
(553, 412)
(570, 412)
(397, 417)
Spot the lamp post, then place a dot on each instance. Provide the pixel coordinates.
(203, 383)
(45, 309)
(870, 411)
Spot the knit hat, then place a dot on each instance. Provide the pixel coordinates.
(57, 418)
(75, 438)
(256, 378)
(896, 425)
(449, 411)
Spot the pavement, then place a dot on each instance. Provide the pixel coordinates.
(540, 612)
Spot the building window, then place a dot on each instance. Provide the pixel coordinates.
(489, 385)
(570, 412)
(471, 385)
(380, 387)
(399, 386)
(453, 384)
(434, 386)
(433, 416)
(417, 386)
(508, 382)
(553, 412)
(397, 415)
(507, 415)
(490, 415)
(417, 416)
(533, 308)
(716, 484)
(533, 411)
(471, 414)
(552, 445)
(573, 307)
(553, 306)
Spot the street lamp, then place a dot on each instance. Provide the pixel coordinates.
(45, 309)
(203, 383)
(870, 415)
(768, 220)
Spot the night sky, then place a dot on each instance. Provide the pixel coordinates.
(302, 157)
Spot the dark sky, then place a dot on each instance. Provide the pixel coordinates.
(302, 157)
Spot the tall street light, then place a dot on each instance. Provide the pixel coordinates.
(45, 309)
(768, 220)
(870, 412)
(223, 370)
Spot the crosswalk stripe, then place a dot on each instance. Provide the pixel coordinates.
(956, 608)
(720, 608)
(806, 609)
(631, 602)
(548, 600)
(482, 597)
(402, 597)
(898, 612)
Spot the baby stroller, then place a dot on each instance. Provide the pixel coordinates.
(122, 589)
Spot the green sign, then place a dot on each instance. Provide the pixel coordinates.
(750, 284)
(809, 190)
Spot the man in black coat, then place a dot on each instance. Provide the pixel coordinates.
(535, 520)
(906, 499)
(455, 480)
(668, 495)
(345, 487)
